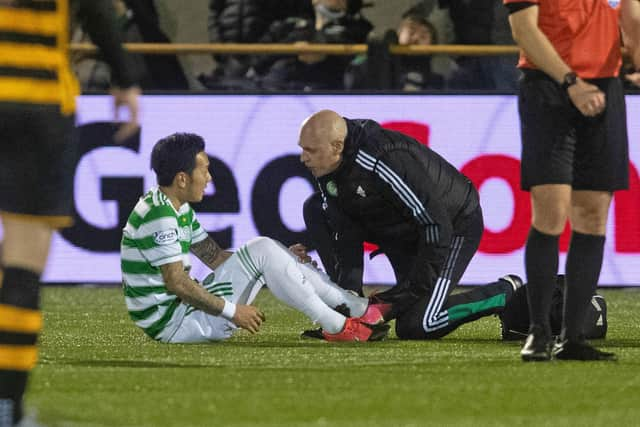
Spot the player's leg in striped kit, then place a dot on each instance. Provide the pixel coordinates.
(332, 294)
(20, 323)
(264, 261)
(302, 287)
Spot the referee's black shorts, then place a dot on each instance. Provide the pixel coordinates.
(561, 146)
(37, 163)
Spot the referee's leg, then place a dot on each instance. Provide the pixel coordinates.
(548, 147)
(550, 209)
(602, 157)
(589, 213)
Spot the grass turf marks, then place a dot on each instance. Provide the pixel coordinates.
(97, 369)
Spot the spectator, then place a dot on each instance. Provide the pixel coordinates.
(482, 22)
(244, 21)
(437, 13)
(138, 22)
(408, 73)
(336, 21)
(416, 73)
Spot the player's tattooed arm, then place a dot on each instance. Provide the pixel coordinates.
(210, 253)
(184, 287)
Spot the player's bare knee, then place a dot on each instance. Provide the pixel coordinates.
(589, 212)
(550, 205)
(550, 219)
(589, 222)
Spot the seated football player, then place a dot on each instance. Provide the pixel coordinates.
(171, 307)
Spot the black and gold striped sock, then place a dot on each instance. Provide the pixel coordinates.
(20, 323)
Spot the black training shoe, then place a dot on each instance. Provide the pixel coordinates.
(379, 331)
(315, 334)
(580, 350)
(536, 348)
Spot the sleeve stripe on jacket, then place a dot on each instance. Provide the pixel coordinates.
(397, 185)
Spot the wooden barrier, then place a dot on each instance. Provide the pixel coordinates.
(298, 48)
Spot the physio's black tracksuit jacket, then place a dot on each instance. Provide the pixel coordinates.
(395, 192)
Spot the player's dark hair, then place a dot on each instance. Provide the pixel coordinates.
(175, 153)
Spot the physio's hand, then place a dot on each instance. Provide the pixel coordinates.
(587, 98)
(126, 98)
(248, 317)
(300, 251)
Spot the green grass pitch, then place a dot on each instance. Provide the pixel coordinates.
(97, 369)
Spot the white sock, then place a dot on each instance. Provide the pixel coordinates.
(332, 294)
(287, 283)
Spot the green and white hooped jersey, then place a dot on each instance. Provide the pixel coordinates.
(155, 234)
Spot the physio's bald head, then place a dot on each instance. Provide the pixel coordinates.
(322, 138)
(324, 126)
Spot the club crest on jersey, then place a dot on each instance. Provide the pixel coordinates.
(165, 237)
(332, 188)
(184, 233)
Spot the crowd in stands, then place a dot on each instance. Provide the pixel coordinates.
(343, 21)
(138, 20)
(468, 22)
(323, 21)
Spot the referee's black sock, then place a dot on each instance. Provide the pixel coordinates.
(584, 262)
(20, 323)
(541, 264)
